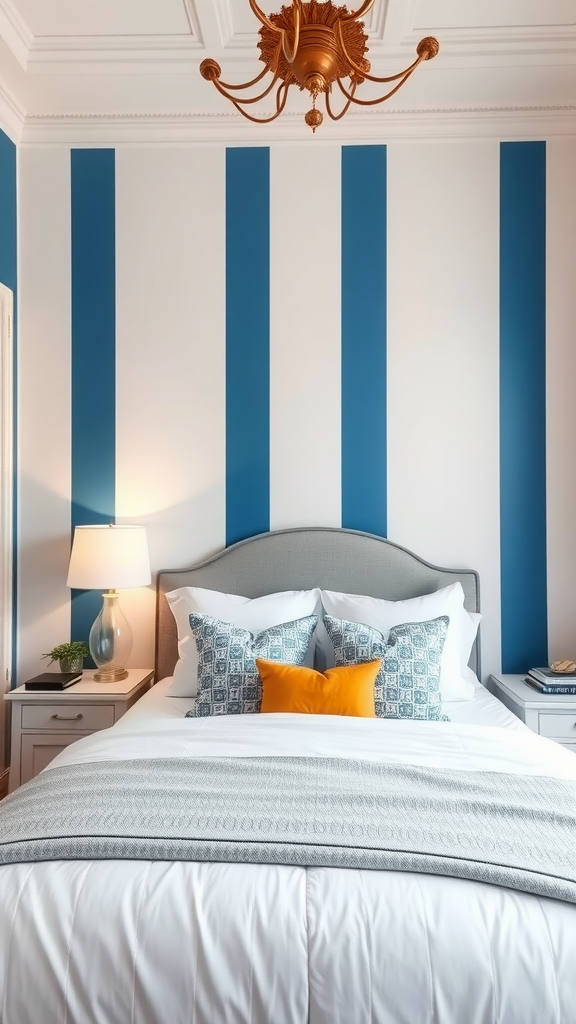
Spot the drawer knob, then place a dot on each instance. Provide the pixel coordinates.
(67, 718)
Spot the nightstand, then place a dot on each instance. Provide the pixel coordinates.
(551, 715)
(45, 722)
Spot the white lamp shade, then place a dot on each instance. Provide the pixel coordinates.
(109, 558)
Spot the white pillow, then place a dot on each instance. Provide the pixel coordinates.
(253, 614)
(469, 623)
(383, 615)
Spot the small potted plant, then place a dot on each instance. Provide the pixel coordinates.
(70, 655)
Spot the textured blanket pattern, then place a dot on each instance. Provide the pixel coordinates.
(512, 830)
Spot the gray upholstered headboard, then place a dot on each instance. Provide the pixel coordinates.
(300, 559)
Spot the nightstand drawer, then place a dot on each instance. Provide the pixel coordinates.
(557, 726)
(85, 717)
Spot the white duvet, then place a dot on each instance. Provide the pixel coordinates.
(114, 942)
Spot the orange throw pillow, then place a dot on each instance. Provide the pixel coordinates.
(346, 690)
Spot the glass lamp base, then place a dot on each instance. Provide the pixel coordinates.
(110, 641)
(110, 675)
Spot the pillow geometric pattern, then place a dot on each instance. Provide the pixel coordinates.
(228, 680)
(408, 684)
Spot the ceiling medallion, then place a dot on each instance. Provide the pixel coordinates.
(314, 46)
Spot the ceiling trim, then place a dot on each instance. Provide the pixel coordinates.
(226, 22)
(15, 32)
(233, 39)
(12, 115)
(374, 126)
(377, 24)
(390, 36)
(486, 41)
(49, 54)
(193, 20)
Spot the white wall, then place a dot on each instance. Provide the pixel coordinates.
(443, 301)
(305, 336)
(170, 345)
(443, 472)
(44, 404)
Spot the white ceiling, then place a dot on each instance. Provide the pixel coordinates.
(74, 67)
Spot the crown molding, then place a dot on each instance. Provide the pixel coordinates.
(12, 115)
(376, 24)
(392, 30)
(193, 20)
(507, 42)
(15, 32)
(70, 55)
(529, 122)
(225, 21)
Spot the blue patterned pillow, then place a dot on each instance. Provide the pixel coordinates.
(408, 684)
(228, 680)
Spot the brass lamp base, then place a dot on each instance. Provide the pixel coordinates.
(110, 675)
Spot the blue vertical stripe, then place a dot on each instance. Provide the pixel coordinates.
(523, 404)
(247, 342)
(9, 277)
(93, 355)
(364, 501)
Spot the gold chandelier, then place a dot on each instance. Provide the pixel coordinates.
(313, 45)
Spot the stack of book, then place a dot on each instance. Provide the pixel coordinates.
(545, 680)
(52, 681)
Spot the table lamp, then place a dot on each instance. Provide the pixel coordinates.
(109, 558)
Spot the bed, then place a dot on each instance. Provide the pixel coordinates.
(166, 938)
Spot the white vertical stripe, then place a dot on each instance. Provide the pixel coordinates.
(170, 343)
(44, 403)
(305, 463)
(560, 397)
(443, 368)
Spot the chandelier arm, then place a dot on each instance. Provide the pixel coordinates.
(297, 9)
(365, 74)
(336, 117)
(263, 19)
(372, 103)
(280, 104)
(246, 85)
(249, 99)
(362, 10)
(393, 78)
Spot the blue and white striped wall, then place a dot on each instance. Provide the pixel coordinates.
(234, 340)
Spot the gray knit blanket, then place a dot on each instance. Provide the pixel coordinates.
(511, 830)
